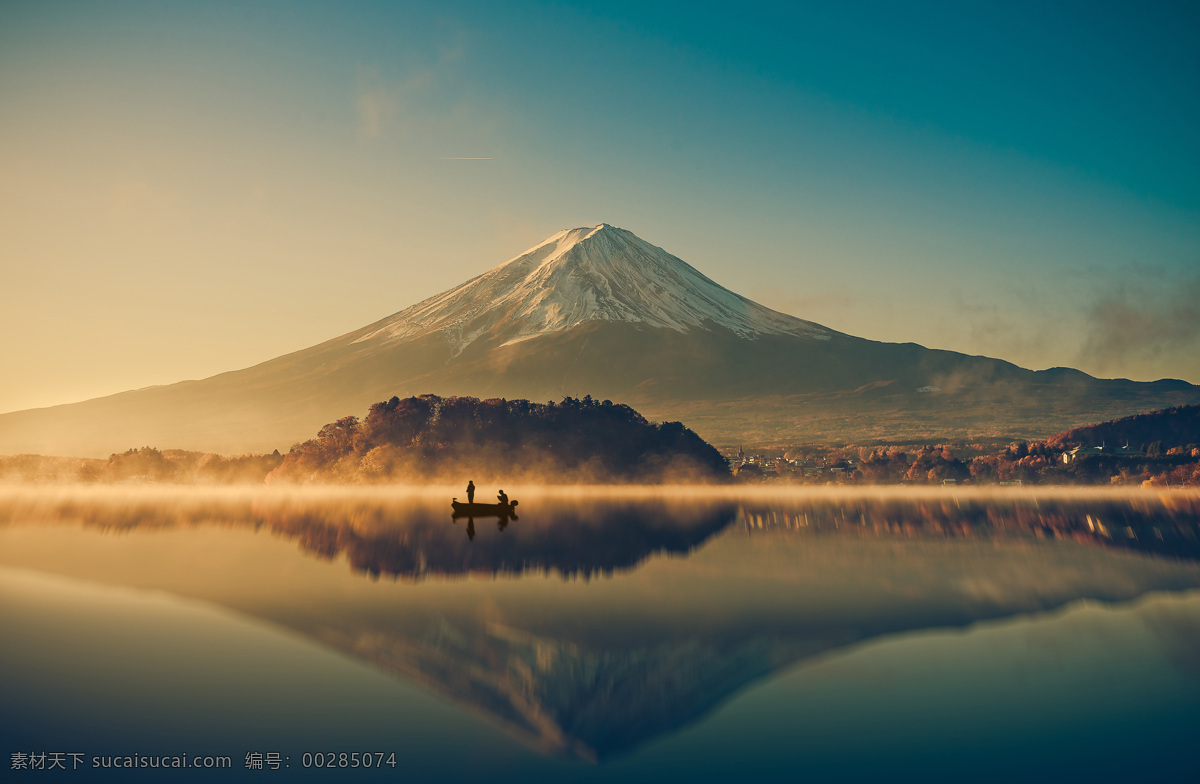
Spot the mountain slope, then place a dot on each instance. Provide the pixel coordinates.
(579, 276)
(599, 311)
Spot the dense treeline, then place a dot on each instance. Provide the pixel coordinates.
(1020, 462)
(463, 437)
(1159, 449)
(141, 465)
(1148, 433)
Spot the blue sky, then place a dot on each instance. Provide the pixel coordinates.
(194, 188)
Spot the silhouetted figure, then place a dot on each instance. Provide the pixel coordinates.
(470, 491)
(503, 498)
(502, 523)
(471, 528)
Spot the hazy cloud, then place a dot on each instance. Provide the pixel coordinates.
(1014, 326)
(377, 107)
(1144, 316)
(426, 98)
(382, 103)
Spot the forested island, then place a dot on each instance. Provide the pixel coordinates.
(456, 438)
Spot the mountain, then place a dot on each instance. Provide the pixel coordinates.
(601, 274)
(599, 311)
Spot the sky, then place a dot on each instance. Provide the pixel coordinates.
(191, 188)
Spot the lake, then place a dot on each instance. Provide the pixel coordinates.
(604, 634)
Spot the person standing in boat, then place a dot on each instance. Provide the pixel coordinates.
(503, 498)
(470, 491)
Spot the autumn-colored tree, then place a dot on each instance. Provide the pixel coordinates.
(427, 436)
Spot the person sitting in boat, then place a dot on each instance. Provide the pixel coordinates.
(503, 498)
(470, 491)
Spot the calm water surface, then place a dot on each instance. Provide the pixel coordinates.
(609, 636)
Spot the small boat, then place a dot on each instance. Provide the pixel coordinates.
(484, 510)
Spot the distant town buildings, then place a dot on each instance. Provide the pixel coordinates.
(769, 465)
(1079, 452)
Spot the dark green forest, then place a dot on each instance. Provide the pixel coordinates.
(456, 438)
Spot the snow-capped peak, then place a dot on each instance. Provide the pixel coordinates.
(599, 273)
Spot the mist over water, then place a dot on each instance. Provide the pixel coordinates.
(603, 632)
(604, 524)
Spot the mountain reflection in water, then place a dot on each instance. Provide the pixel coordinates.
(597, 668)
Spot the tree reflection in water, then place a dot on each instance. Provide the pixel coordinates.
(575, 539)
(1163, 525)
(410, 536)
